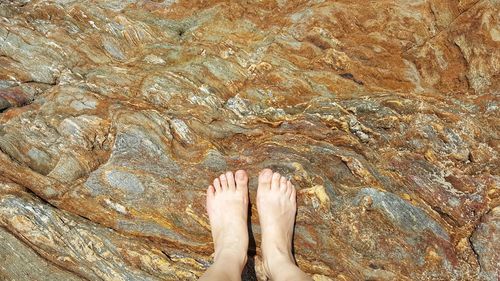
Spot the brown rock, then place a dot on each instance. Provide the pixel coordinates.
(116, 115)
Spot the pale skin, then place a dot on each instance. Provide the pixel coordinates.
(227, 207)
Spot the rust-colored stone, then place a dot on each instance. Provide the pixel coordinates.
(116, 115)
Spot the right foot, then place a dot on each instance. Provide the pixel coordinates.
(276, 204)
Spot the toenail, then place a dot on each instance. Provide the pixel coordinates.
(240, 174)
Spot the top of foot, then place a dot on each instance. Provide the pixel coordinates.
(276, 204)
(227, 208)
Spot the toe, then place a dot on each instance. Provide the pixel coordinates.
(217, 186)
(223, 182)
(275, 181)
(265, 177)
(230, 181)
(210, 192)
(293, 194)
(210, 196)
(289, 188)
(241, 178)
(283, 184)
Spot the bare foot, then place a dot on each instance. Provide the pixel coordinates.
(227, 207)
(277, 206)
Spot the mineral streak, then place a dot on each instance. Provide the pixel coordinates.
(115, 116)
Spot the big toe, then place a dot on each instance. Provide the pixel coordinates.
(265, 177)
(241, 178)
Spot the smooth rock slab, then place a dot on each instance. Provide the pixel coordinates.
(20, 262)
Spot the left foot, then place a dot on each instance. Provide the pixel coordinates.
(276, 203)
(227, 207)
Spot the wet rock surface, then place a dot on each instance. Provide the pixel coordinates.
(116, 115)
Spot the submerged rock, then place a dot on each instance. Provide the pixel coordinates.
(116, 115)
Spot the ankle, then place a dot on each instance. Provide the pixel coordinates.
(277, 259)
(231, 257)
(277, 250)
(277, 268)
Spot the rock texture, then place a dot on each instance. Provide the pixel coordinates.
(115, 115)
